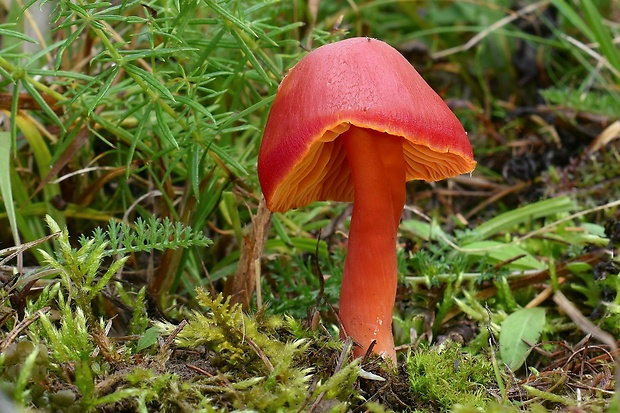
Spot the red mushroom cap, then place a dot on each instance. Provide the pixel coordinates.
(300, 159)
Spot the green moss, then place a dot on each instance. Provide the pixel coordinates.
(446, 376)
(264, 364)
(497, 408)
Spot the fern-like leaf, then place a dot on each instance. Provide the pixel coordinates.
(152, 234)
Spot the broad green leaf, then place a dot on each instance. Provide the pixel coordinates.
(425, 230)
(500, 252)
(148, 338)
(578, 267)
(524, 215)
(520, 331)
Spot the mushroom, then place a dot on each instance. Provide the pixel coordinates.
(353, 121)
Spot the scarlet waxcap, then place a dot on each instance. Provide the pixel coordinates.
(362, 82)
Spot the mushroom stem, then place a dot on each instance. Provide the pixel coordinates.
(370, 273)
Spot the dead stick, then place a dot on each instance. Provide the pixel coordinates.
(587, 326)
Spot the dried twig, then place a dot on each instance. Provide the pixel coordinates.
(164, 349)
(587, 326)
(531, 8)
(344, 356)
(241, 285)
(14, 251)
(260, 353)
(21, 326)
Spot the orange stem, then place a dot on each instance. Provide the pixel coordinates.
(369, 282)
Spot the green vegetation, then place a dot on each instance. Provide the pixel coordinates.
(140, 271)
(445, 377)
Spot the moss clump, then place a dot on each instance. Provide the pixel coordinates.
(443, 377)
(258, 364)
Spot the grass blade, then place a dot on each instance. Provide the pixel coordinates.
(523, 215)
(5, 183)
(601, 33)
(44, 105)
